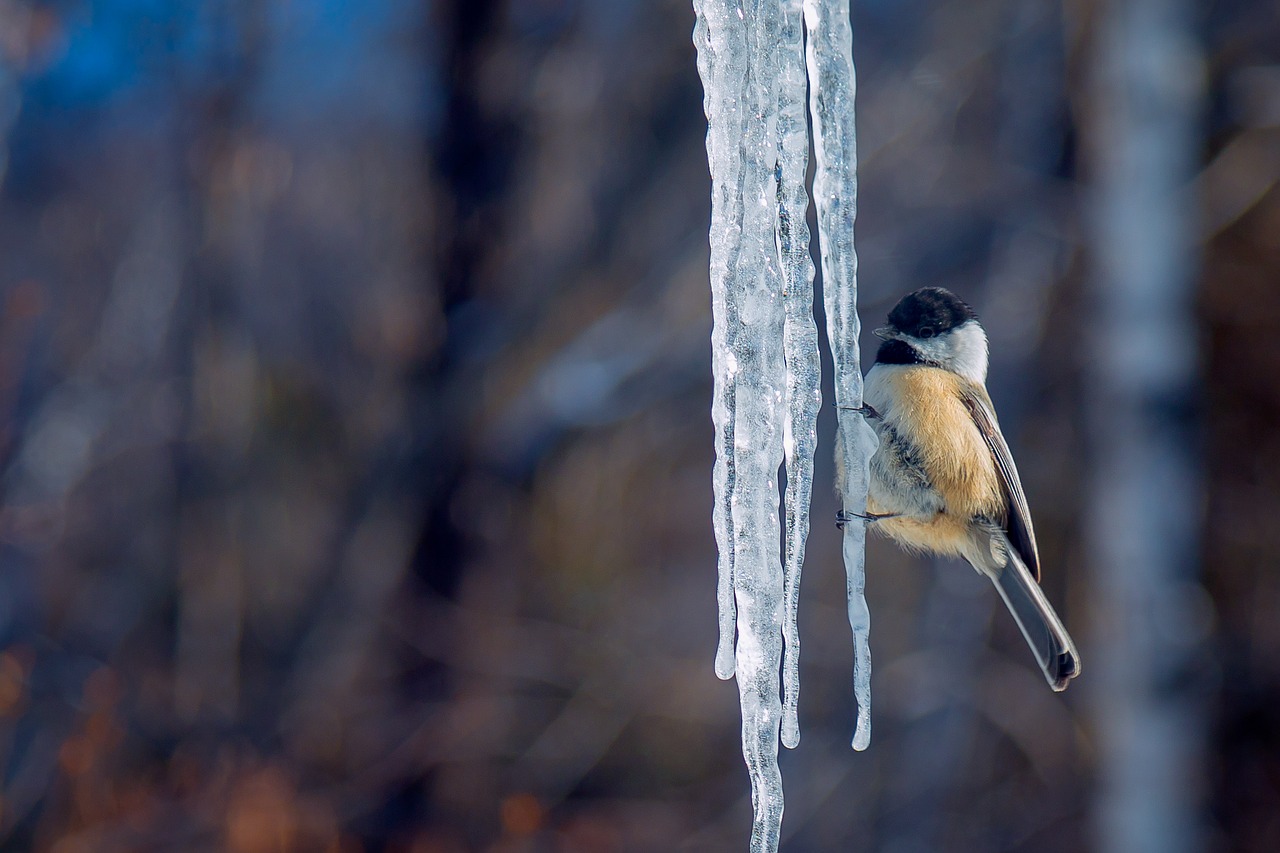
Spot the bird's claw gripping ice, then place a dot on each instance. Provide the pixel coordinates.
(843, 517)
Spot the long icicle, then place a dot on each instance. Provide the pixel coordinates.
(737, 58)
(835, 191)
(800, 343)
(759, 434)
(720, 37)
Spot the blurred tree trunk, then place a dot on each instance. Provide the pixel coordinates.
(1144, 512)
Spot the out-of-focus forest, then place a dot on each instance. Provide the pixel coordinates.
(356, 438)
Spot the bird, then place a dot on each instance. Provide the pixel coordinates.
(942, 479)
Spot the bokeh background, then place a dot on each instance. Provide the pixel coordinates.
(356, 440)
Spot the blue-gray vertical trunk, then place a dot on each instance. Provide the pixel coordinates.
(1145, 505)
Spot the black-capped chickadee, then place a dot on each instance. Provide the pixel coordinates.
(943, 479)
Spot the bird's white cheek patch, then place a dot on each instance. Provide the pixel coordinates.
(969, 352)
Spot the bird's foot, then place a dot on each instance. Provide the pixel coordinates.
(865, 410)
(843, 518)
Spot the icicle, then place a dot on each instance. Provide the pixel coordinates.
(738, 61)
(720, 36)
(758, 435)
(800, 343)
(765, 358)
(835, 192)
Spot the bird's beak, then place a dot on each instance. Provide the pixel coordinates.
(885, 333)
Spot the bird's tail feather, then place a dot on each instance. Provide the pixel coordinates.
(1043, 630)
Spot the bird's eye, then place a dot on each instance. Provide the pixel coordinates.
(926, 332)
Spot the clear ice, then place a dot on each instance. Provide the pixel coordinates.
(835, 191)
(757, 59)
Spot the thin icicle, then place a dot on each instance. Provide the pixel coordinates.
(738, 60)
(800, 342)
(758, 434)
(835, 191)
(720, 36)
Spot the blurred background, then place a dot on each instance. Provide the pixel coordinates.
(356, 438)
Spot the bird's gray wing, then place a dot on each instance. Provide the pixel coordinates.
(1018, 525)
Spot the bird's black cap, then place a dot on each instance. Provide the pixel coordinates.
(930, 311)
